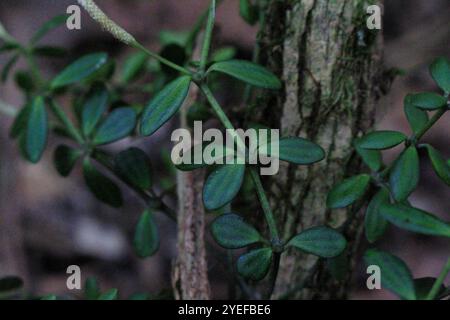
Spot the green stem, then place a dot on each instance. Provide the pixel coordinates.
(430, 123)
(266, 206)
(64, 119)
(162, 60)
(256, 179)
(208, 36)
(34, 68)
(439, 281)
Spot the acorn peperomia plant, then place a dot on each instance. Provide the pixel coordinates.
(394, 183)
(100, 116)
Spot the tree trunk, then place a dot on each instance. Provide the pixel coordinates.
(331, 67)
(190, 275)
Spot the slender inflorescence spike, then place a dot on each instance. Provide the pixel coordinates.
(110, 26)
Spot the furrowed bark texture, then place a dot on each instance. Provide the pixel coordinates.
(190, 276)
(331, 67)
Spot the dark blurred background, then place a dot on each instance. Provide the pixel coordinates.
(48, 223)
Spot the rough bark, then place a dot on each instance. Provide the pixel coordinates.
(190, 276)
(331, 67)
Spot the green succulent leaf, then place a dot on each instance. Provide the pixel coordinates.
(164, 105)
(248, 12)
(109, 295)
(415, 220)
(395, 274)
(91, 289)
(222, 185)
(348, 191)
(375, 224)
(65, 159)
(440, 166)
(440, 71)
(36, 131)
(405, 174)
(8, 67)
(223, 54)
(380, 140)
(20, 122)
(231, 232)
(423, 287)
(93, 109)
(134, 67)
(119, 124)
(53, 23)
(102, 187)
(49, 297)
(428, 100)
(417, 117)
(133, 165)
(296, 150)
(146, 236)
(255, 264)
(79, 70)
(248, 72)
(372, 158)
(320, 241)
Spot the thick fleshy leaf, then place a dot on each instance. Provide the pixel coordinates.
(223, 54)
(440, 71)
(348, 191)
(133, 165)
(248, 72)
(93, 109)
(146, 236)
(91, 289)
(48, 26)
(134, 66)
(20, 122)
(395, 274)
(164, 105)
(65, 159)
(119, 124)
(415, 220)
(79, 70)
(36, 131)
(248, 11)
(428, 100)
(380, 140)
(231, 232)
(255, 264)
(417, 118)
(375, 224)
(8, 67)
(296, 150)
(405, 173)
(372, 158)
(109, 295)
(440, 166)
(222, 185)
(320, 241)
(423, 287)
(102, 187)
